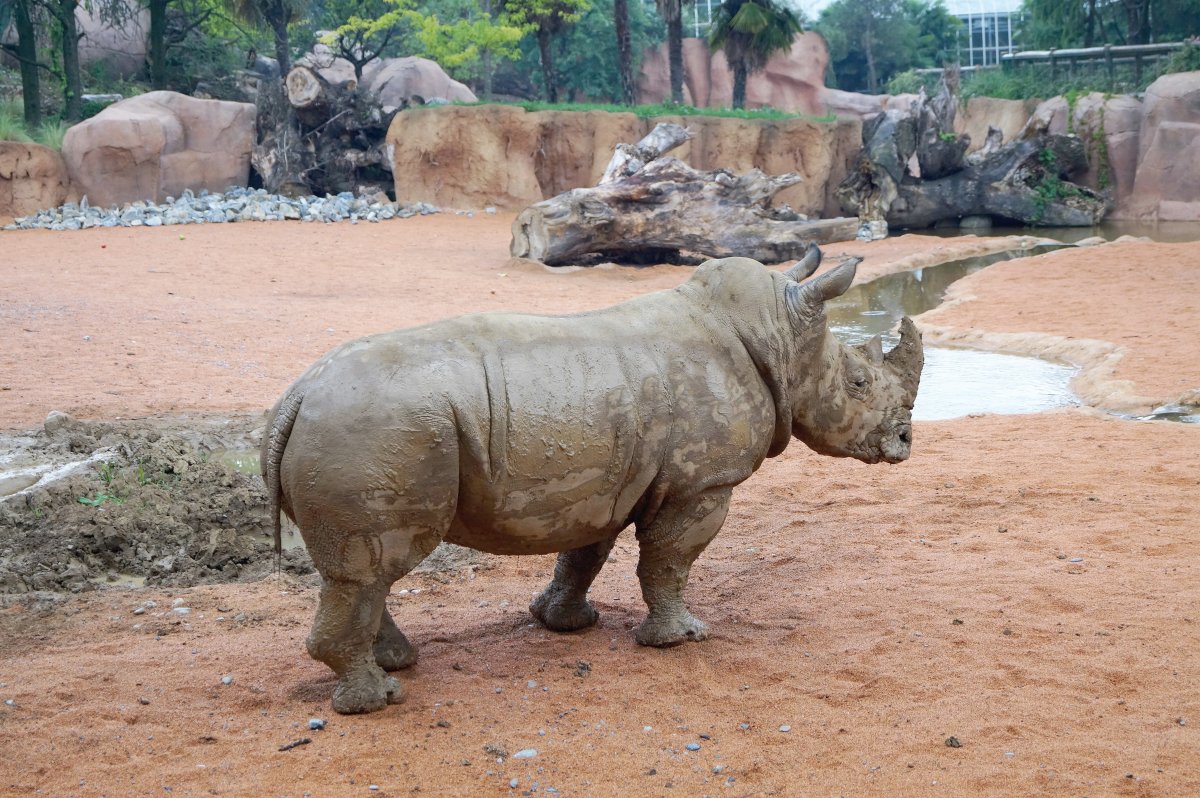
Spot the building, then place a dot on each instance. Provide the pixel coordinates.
(988, 27)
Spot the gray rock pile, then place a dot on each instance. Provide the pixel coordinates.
(234, 205)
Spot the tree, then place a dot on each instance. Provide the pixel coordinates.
(1087, 23)
(870, 40)
(546, 18)
(276, 15)
(24, 50)
(624, 54)
(589, 59)
(750, 32)
(365, 30)
(672, 13)
(467, 48)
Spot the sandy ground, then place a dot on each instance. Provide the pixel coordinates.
(1027, 585)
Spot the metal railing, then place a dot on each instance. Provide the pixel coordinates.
(1120, 64)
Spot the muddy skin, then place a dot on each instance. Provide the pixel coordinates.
(518, 434)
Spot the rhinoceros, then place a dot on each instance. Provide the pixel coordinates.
(522, 434)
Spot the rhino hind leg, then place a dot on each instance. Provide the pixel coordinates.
(392, 649)
(563, 605)
(669, 545)
(342, 636)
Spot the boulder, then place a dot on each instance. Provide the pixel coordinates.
(397, 79)
(488, 155)
(853, 105)
(1168, 170)
(121, 48)
(158, 144)
(980, 113)
(791, 81)
(32, 178)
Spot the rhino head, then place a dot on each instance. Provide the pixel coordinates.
(850, 401)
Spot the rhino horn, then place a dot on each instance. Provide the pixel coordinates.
(873, 349)
(907, 357)
(806, 265)
(830, 284)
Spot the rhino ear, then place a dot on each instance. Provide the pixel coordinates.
(874, 350)
(806, 265)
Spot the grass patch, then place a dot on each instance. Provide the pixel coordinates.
(51, 134)
(664, 109)
(12, 122)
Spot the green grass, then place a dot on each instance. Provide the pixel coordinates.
(12, 127)
(663, 109)
(12, 122)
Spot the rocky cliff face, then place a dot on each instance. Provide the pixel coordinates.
(32, 177)
(506, 157)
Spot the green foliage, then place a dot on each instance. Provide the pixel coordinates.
(750, 32)
(910, 82)
(51, 132)
(1185, 59)
(872, 40)
(12, 122)
(463, 46)
(1058, 24)
(368, 29)
(587, 51)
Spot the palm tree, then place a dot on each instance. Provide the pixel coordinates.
(750, 32)
(672, 13)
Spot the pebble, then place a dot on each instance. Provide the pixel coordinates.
(525, 753)
(226, 680)
(235, 205)
(785, 728)
(513, 783)
(1076, 559)
(181, 610)
(531, 684)
(692, 746)
(8, 702)
(316, 724)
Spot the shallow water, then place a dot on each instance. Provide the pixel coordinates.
(955, 382)
(1165, 232)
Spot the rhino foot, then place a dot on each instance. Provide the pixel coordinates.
(671, 630)
(560, 612)
(392, 649)
(366, 689)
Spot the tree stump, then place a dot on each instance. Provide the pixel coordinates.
(316, 137)
(647, 203)
(1027, 181)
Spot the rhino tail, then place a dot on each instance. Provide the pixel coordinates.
(274, 445)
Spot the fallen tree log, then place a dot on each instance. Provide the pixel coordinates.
(647, 203)
(1027, 181)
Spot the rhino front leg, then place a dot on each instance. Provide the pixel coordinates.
(669, 545)
(563, 605)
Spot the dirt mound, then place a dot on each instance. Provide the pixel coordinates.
(169, 502)
(155, 503)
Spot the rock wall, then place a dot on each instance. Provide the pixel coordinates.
(32, 177)
(506, 157)
(158, 144)
(791, 81)
(1147, 152)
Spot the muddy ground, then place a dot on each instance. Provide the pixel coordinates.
(1025, 585)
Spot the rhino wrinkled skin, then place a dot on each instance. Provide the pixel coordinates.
(518, 434)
